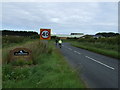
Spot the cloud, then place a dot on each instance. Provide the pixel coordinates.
(106, 24)
(61, 17)
(56, 20)
(59, 1)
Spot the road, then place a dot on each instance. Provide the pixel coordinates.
(97, 71)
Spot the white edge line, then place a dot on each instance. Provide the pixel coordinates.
(100, 63)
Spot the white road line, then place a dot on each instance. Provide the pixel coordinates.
(77, 52)
(69, 48)
(100, 63)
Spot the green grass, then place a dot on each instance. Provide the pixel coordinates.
(9, 41)
(101, 48)
(49, 70)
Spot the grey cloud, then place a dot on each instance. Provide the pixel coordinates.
(61, 17)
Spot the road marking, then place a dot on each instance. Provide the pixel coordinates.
(69, 48)
(77, 52)
(62, 45)
(100, 63)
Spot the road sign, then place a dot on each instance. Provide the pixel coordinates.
(20, 54)
(45, 34)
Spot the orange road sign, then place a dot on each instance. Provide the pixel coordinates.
(45, 34)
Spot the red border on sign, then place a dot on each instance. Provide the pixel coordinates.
(48, 32)
(41, 30)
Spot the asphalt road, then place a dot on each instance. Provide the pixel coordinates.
(97, 71)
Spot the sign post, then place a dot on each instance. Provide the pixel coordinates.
(45, 34)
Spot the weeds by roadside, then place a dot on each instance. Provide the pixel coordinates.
(105, 46)
(49, 69)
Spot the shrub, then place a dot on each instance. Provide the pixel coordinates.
(10, 40)
(107, 40)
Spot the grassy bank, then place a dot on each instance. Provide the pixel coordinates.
(102, 46)
(48, 71)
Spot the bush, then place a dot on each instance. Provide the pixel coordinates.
(10, 40)
(107, 40)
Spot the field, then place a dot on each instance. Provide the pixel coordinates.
(106, 46)
(48, 70)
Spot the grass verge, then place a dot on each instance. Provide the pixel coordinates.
(98, 48)
(49, 70)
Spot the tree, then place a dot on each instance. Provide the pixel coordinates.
(110, 34)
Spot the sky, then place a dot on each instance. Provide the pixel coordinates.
(61, 17)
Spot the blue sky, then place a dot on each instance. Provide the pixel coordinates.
(61, 17)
